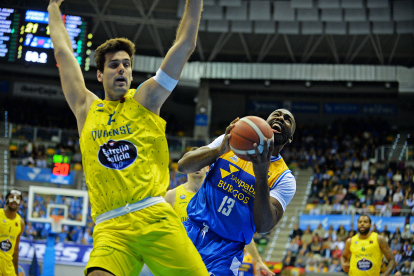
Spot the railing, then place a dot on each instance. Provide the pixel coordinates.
(401, 212)
(386, 153)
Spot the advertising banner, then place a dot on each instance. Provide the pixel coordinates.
(34, 90)
(341, 108)
(65, 253)
(379, 109)
(43, 175)
(326, 221)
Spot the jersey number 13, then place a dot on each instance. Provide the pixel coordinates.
(226, 210)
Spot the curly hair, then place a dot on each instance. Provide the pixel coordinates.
(112, 46)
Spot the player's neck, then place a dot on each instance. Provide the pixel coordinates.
(9, 214)
(277, 150)
(363, 237)
(193, 186)
(114, 96)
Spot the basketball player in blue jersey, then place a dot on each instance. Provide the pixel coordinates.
(238, 198)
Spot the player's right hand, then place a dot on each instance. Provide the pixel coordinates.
(58, 2)
(225, 145)
(345, 267)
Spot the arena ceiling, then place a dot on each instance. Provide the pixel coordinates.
(379, 32)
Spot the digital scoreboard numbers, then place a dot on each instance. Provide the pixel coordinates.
(60, 165)
(25, 38)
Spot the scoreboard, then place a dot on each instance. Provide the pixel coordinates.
(25, 38)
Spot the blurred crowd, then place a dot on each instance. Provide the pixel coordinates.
(347, 178)
(320, 250)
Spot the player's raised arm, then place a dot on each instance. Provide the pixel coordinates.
(73, 84)
(155, 91)
(195, 160)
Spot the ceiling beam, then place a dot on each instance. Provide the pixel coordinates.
(307, 47)
(267, 45)
(332, 45)
(200, 49)
(376, 49)
(363, 42)
(348, 54)
(315, 46)
(289, 47)
(224, 37)
(245, 48)
(393, 49)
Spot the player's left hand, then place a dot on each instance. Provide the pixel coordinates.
(263, 269)
(261, 162)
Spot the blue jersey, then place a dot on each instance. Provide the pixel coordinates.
(225, 200)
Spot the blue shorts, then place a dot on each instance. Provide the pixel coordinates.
(221, 256)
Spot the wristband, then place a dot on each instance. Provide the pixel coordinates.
(165, 81)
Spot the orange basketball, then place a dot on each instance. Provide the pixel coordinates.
(246, 132)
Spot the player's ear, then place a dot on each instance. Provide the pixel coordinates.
(99, 76)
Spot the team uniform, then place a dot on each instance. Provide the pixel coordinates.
(248, 267)
(125, 159)
(366, 256)
(182, 198)
(220, 216)
(9, 231)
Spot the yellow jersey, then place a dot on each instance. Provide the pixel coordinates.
(366, 258)
(125, 154)
(182, 198)
(9, 231)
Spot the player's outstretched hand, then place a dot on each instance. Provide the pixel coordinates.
(261, 162)
(58, 2)
(345, 267)
(225, 146)
(263, 269)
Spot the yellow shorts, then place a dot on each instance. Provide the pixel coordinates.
(6, 268)
(154, 235)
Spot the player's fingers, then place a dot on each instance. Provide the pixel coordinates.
(271, 148)
(250, 158)
(257, 151)
(235, 121)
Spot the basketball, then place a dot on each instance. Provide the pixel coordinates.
(246, 132)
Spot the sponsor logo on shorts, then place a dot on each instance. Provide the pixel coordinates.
(5, 245)
(117, 154)
(364, 264)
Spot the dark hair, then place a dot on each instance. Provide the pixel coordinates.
(112, 46)
(367, 217)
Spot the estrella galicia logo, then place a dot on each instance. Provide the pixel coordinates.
(364, 264)
(5, 245)
(183, 196)
(117, 154)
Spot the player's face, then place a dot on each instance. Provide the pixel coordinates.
(283, 124)
(201, 174)
(364, 225)
(13, 202)
(117, 75)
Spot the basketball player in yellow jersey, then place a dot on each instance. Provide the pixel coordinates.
(11, 228)
(363, 252)
(181, 196)
(125, 153)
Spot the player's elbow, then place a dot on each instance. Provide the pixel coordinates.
(186, 46)
(182, 165)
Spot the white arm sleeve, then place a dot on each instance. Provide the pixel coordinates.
(217, 142)
(284, 189)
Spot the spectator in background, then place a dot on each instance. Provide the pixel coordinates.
(335, 266)
(389, 174)
(380, 192)
(397, 177)
(306, 237)
(296, 232)
(395, 245)
(398, 196)
(386, 210)
(387, 233)
(409, 199)
(408, 253)
(320, 231)
(30, 232)
(341, 232)
(29, 160)
(336, 253)
(397, 233)
(41, 161)
(406, 235)
(405, 268)
(339, 243)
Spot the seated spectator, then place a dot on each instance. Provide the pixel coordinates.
(306, 237)
(330, 233)
(374, 228)
(408, 254)
(380, 192)
(341, 232)
(294, 246)
(338, 243)
(405, 268)
(30, 232)
(398, 196)
(347, 209)
(335, 266)
(296, 232)
(387, 233)
(409, 201)
(397, 177)
(315, 247)
(395, 245)
(29, 161)
(301, 258)
(369, 198)
(396, 209)
(406, 235)
(336, 253)
(386, 210)
(327, 208)
(287, 261)
(41, 162)
(311, 267)
(320, 231)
